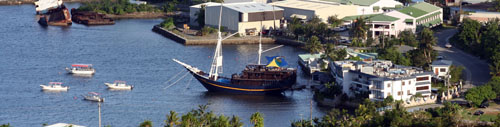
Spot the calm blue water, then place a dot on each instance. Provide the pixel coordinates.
(31, 55)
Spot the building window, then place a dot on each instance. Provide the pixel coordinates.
(400, 93)
(388, 85)
(408, 92)
(388, 93)
(423, 78)
(409, 82)
(442, 70)
(423, 88)
(403, 83)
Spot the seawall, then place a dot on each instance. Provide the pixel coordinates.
(211, 41)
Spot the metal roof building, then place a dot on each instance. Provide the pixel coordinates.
(245, 17)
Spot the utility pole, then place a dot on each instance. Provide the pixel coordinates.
(99, 106)
(310, 111)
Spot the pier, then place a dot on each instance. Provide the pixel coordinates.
(209, 40)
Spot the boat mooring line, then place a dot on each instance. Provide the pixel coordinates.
(189, 83)
(173, 77)
(176, 81)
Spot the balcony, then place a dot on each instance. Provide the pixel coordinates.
(361, 82)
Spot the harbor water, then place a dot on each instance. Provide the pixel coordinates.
(31, 55)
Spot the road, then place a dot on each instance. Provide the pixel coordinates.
(476, 70)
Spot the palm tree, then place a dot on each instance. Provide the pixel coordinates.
(359, 28)
(235, 122)
(257, 119)
(221, 121)
(329, 52)
(188, 120)
(146, 123)
(495, 69)
(172, 119)
(313, 45)
(200, 16)
(427, 40)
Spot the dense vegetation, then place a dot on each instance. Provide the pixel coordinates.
(366, 115)
(117, 7)
(482, 41)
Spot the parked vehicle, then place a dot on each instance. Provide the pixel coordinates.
(339, 29)
(478, 112)
(447, 45)
(485, 104)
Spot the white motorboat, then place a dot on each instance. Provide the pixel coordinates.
(93, 96)
(82, 69)
(122, 85)
(54, 86)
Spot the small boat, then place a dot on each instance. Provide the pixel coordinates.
(122, 85)
(83, 69)
(54, 86)
(93, 96)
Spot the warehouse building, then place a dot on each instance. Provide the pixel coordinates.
(245, 18)
(307, 9)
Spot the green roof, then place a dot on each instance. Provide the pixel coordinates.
(419, 9)
(428, 16)
(382, 17)
(350, 18)
(413, 12)
(408, 20)
(433, 22)
(425, 7)
(363, 2)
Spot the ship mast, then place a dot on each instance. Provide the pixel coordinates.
(260, 43)
(216, 67)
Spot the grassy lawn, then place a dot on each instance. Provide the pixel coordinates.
(469, 114)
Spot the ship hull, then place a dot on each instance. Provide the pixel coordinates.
(273, 88)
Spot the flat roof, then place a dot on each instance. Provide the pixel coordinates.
(306, 5)
(248, 7)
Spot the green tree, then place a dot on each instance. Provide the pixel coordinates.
(5, 125)
(495, 84)
(168, 23)
(359, 29)
(200, 16)
(393, 55)
(235, 122)
(477, 95)
(146, 123)
(427, 40)
(257, 119)
(456, 73)
(334, 21)
(495, 64)
(408, 38)
(496, 6)
(172, 119)
(469, 33)
(313, 45)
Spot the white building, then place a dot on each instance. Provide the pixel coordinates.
(193, 10)
(379, 79)
(410, 18)
(441, 68)
(325, 8)
(245, 18)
